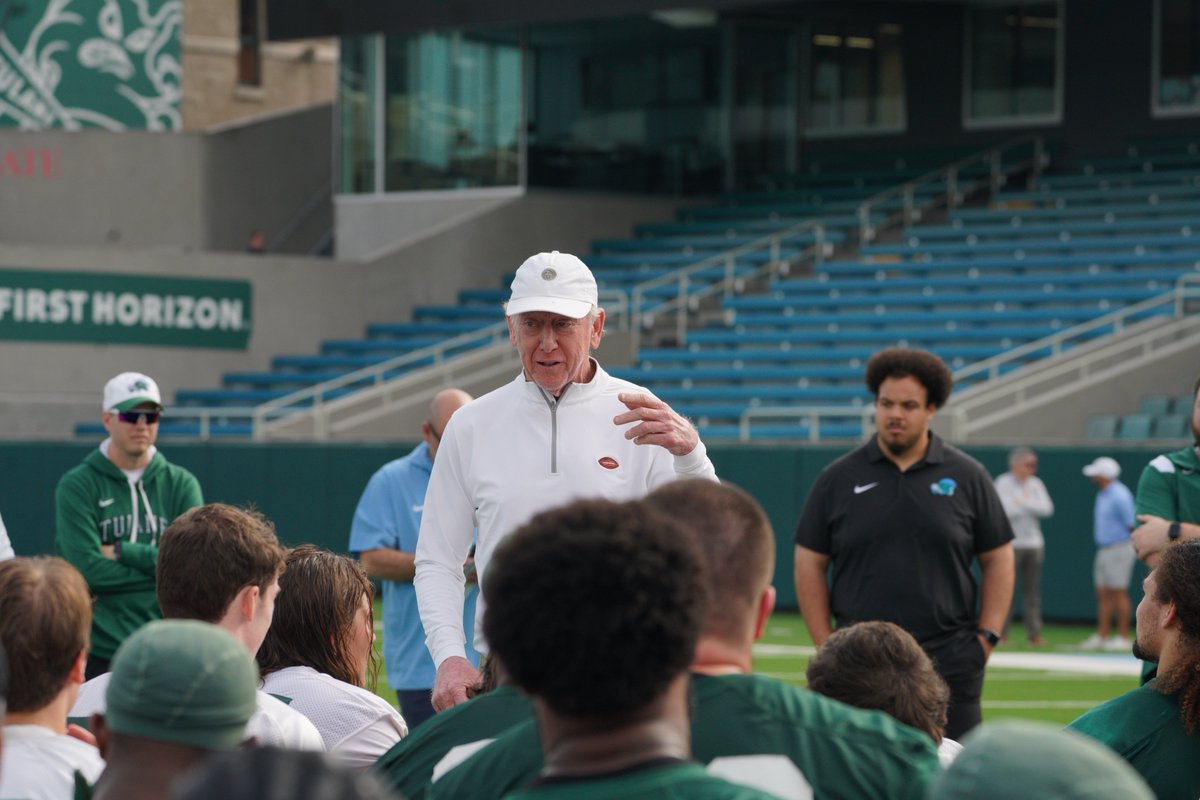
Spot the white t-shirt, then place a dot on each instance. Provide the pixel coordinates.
(39, 764)
(507, 456)
(6, 549)
(273, 722)
(1026, 502)
(358, 727)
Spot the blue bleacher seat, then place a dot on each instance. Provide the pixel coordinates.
(1171, 426)
(1135, 426)
(1102, 426)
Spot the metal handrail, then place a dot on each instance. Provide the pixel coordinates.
(1186, 288)
(375, 374)
(954, 194)
(1177, 296)
(811, 414)
(685, 298)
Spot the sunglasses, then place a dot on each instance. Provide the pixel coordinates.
(137, 415)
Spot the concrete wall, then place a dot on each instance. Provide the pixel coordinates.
(293, 74)
(45, 388)
(181, 192)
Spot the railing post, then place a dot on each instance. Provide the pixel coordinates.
(635, 320)
(204, 424)
(996, 178)
(910, 194)
(819, 241)
(681, 311)
(952, 198)
(865, 232)
(729, 274)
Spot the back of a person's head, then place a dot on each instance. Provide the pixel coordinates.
(736, 542)
(879, 665)
(595, 608)
(1177, 581)
(182, 682)
(1020, 759)
(319, 595)
(45, 622)
(208, 555)
(271, 773)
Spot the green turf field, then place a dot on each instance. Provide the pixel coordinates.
(1053, 695)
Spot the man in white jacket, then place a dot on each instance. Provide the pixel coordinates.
(1026, 502)
(556, 433)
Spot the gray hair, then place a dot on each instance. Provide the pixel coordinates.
(1018, 453)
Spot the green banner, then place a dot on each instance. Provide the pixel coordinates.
(124, 309)
(76, 64)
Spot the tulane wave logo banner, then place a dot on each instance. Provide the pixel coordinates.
(74, 64)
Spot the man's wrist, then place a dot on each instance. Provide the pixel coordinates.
(117, 549)
(989, 635)
(1173, 531)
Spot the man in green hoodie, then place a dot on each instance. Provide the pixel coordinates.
(111, 509)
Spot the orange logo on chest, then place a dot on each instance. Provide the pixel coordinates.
(608, 462)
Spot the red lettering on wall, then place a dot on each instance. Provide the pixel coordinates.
(31, 162)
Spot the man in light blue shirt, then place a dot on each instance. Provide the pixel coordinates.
(384, 535)
(1115, 557)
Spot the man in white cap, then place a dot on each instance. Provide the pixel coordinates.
(110, 510)
(1114, 520)
(561, 430)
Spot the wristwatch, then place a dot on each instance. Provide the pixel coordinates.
(117, 550)
(1173, 532)
(992, 637)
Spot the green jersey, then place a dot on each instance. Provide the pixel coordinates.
(1170, 488)
(95, 504)
(409, 765)
(675, 782)
(754, 730)
(1144, 727)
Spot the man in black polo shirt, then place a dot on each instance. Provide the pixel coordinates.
(901, 519)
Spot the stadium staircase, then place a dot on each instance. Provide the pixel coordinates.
(755, 316)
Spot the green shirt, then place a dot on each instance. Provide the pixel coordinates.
(408, 766)
(95, 505)
(1145, 728)
(840, 751)
(1170, 488)
(682, 781)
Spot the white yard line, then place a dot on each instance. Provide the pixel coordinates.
(1077, 663)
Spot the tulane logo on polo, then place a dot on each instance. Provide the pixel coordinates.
(944, 487)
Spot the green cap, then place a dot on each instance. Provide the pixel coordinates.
(182, 681)
(1023, 759)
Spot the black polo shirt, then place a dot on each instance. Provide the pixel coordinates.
(902, 543)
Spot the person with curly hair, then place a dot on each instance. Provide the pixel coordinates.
(901, 519)
(1156, 727)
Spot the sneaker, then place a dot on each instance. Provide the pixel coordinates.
(1093, 642)
(1118, 644)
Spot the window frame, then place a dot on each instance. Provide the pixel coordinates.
(1157, 109)
(807, 57)
(1054, 117)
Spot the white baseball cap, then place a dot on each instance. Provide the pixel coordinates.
(130, 389)
(1103, 467)
(556, 282)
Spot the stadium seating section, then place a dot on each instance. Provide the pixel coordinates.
(1031, 261)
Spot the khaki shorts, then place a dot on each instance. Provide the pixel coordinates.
(1114, 566)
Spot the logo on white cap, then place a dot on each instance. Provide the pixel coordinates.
(130, 389)
(555, 282)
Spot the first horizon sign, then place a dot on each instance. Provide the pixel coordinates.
(123, 308)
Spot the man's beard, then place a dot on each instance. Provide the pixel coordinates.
(1139, 652)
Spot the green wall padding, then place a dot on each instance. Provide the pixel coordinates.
(310, 491)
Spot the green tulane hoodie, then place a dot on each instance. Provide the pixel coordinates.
(95, 504)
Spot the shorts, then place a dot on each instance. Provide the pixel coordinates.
(1114, 566)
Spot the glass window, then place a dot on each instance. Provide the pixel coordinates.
(249, 43)
(856, 79)
(1177, 88)
(453, 110)
(1013, 59)
(627, 104)
(356, 109)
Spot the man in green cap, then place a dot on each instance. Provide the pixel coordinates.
(110, 510)
(1020, 759)
(181, 690)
